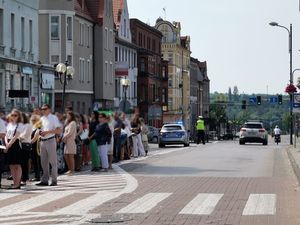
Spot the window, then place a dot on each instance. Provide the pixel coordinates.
(143, 66)
(134, 59)
(78, 106)
(54, 59)
(30, 86)
(81, 31)
(153, 45)
(164, 72)
(111, 73)
(88, 36)
(117, 88)
(116, 54)
(106, 38)
(12, 29)
(22, 33)
(170, 83)
(1, 27)
(83, 70)
(69, 28)
(124, 32)
(69, 59)
(134, 89)
(148, 43)
(111, 37)
(83, 108)
(54, 27)
(164, 95)
(88, 72)
(30, 36)
(106, 71)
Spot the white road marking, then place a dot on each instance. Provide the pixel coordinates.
(5, 195)
(145, 203)
(202, 204)
(260, 204)
(33, 202)
(38, 221)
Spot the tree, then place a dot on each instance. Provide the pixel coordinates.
(235, 93)
(229, 95)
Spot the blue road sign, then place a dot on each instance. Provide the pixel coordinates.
(296, 102)
(273, 99)
(252, 100)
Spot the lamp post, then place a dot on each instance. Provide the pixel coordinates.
(291, 72)
(125, 84)
(66, 74)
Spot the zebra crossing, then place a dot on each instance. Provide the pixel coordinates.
(30, 210)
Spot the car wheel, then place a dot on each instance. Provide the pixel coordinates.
(161, 145)
(154, 140)
(265, 143)
(186, 145)
(241, 142)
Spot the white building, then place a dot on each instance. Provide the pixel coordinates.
(125, 56)
(19, 54)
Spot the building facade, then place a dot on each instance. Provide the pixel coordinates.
(152, 73)
(104, 64)
(125, 60)
(19, 54)
(199, 87)
(66, 35)
(176, 50)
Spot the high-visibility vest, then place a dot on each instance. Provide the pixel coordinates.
(200, 125)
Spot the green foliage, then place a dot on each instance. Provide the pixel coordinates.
(270, 114)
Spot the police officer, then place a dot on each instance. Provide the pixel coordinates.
(200, 127)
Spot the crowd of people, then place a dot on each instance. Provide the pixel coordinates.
(48, 144)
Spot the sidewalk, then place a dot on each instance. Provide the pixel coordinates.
(294, 156)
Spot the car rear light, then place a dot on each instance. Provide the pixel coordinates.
(243, 130)
(262, 130)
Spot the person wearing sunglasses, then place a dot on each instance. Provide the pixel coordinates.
(13, 147)
(50, 128)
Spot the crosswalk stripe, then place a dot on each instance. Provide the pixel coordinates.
(202, 204)
(145, 203)
(4, 196)
(38, 221)
(33, 202)
(85, 205)
(260, 204)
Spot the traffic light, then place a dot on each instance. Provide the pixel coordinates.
(258, 100)
(280, 99)
(243, 104)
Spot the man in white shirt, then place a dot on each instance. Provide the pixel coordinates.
(277, 130)
(50, 127)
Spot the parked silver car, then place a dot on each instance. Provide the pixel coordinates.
(173, 134)
(253, 132)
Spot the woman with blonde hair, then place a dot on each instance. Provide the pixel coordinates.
(13, 146)
(69, 137)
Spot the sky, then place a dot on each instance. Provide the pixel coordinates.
(235, 38)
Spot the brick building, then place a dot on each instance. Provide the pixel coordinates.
(152, 73)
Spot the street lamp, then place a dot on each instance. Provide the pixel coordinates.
(291, 71)
(66, 74)
(125, 84)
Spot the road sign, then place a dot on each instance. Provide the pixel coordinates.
(296, 102)
(252, 100)
(273, 99)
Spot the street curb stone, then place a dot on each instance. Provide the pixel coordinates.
(294, 162)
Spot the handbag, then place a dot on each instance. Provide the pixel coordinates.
(144, 138)
(84, 135)
(26, 146)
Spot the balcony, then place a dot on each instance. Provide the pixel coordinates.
(22, 54)
(13, 52)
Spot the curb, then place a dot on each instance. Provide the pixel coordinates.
(295, 165)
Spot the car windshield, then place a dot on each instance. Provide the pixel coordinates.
(253, 125)
(170, 128)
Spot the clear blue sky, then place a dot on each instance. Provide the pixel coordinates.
(234, 37)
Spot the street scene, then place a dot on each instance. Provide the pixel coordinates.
(154, 112)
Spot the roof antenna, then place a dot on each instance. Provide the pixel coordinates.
(165, 13)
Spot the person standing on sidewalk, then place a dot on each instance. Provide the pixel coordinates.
(50, 128)
(2, 156)
(13, 146)
(103, 136)
(200, 127)
(69, 137)
(25, 138)
(36, 146)
(92, 142)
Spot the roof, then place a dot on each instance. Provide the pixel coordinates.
(82, 10)
(96, 9)
(117, 11)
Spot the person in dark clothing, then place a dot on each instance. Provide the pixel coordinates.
(118, 124)
(35, 153)
(92, 142)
